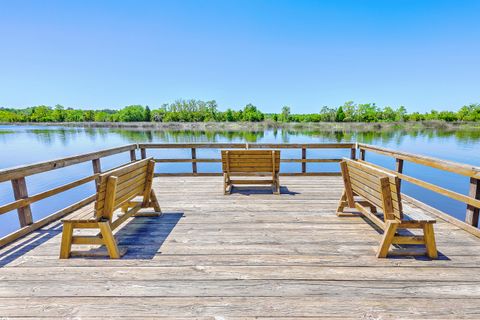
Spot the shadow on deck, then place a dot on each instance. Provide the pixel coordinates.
(150, 232)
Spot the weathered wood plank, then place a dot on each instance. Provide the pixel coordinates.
(304, 306)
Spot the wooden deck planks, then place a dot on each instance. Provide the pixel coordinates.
(250, 254)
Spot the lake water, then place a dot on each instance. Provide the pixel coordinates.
(28, 144)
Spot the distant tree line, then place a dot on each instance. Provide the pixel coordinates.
(207, 111)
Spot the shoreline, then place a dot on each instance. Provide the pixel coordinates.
(265, 125)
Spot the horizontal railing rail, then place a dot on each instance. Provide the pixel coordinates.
(472, 200)
(303, 147)
(23, 200)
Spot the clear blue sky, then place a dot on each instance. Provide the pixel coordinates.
(418, 53)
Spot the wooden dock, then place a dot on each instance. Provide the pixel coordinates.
(246, 255)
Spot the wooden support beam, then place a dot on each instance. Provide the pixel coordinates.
(362, 154)
(399, 169)
(97, 168)
(472, 212)
(194, 163)
(143, 152)
(133, 155)
(304, 157)
(20, 192)
(353, 153)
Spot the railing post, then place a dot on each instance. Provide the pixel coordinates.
(133, 155)
(353, 153)
(472, 213)
(362, 154)
(194, 163)
(399, 169)
(20, 192)
(96, 169)
(304, 157)
(143, 152)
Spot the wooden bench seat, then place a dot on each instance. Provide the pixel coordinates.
(128, 188)
(368, 188)
(253, 164)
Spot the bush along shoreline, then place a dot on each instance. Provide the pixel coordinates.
(197, 111)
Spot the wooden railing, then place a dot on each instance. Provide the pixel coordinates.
(195, 146)
(472, 200)
(23, 200)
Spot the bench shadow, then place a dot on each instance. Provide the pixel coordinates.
(142, 237)
(253, 190)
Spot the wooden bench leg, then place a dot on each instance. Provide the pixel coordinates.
(277, 184)
(67, 235)
(109, 240)
(389, 233)
(275, 187)
(154, 202)
(342, 203)
(125, 208)
(430, 244)
(227, 186)
(224, 184)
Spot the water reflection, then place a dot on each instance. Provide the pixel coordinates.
(65, 136)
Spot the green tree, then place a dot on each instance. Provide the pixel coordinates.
(101, 116)
(340, 115)
(58, 113)
(132, 113)
(350, 111)
(72, 115)
(229, 115)
(89, 115)
(42, 114)
(367, 112)
(285, 115)
(252, 114)
(388, 114)
(148, 114)
(401, 114)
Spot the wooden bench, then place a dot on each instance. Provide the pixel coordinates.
(116, 189)
(368, 188)
(250, 163)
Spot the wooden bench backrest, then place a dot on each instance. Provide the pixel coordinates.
(250, 161)
(120, 185)
(374, 185)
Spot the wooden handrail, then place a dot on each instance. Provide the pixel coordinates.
(173, 160)
(27, 170)
(303, 147)
(445, 165)
(42, 195)
(346, 145)
(23, 200)
(472, 200)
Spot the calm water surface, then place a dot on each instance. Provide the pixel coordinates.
(28, 144)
